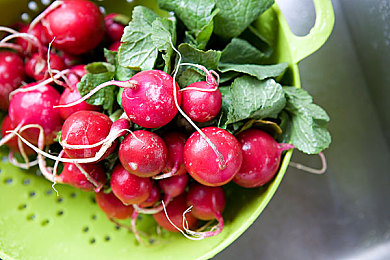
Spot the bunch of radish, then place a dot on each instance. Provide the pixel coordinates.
(140, 161)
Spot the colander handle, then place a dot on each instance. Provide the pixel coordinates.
(303, 46)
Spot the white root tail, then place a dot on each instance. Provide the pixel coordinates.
(309, 169)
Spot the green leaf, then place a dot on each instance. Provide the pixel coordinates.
(189, 76)
(138, 50)
(119, 97)
(164, 36)
(239, 51)
(307, 125)
(235, 16)
(259, 71)
(194, 14)
(255, 99)
(98, 73)
(226, 106)
(209, 59)
(121, 73)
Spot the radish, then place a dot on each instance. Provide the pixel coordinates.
(77, 25)
(202, 100)
(154, 197)
(11, 75)
(207, 203)
(175, 164)
(112, 206)
(175, 218)
(12, 144)
(143, 153)
(69, 95)
(85, 128)
(174, 186)
(114, 29)
(76, 73)
(36, 107)
(148, 98)
(39, 32)
(36, 66)
(261, 158)
(114, 46)
(202, 161)
(75, 175)
(129, 188)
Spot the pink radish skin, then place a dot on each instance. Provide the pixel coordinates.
(76, 73)
(12, 144)
(36, 66)
(86, 128)
(150, 103)
(201, 106)
(174, 186)
(77, 25)
(202, 162)
(261, 158)
(68, 96)
(114, 29)
(70, 60)
(115, 46)
(39, 32)
(175, 142)
(207, 203)
(127, 187)
(175, 211)
(143, 153)
(112, 206)
(11, 75)
(36, 107)
(72, 175)
(154, 197)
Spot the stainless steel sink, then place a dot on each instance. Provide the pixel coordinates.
(344, 214)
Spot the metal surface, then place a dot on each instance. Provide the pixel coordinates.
(344, 214)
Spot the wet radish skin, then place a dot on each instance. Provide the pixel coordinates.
(202, 163)
(112, 206)
(261, 158)
(143, 153)
(175, 142)
(127, 187)
(12, 144)
(11, 75)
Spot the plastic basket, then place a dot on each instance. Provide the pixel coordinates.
(36, 224)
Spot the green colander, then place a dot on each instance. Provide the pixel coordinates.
(35, 223)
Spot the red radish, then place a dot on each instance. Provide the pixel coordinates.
(115, 46)
(202, 161)
(151, 102)
(154, 197)
(112, 206)
(143, 153)
(76, 73)
(73, 175)
(127, 187)
(207, 203)
(36, 107)
(11, 75)
(201, 101)
(68, 96)
(6, 125)
(39, 32)
(175, 164)
(114, 29)
(36, 66)
(261, 158)
(174, 186)
(148, 98)
(175, 211)
(77, 25)
(69, 59)
(85, 128)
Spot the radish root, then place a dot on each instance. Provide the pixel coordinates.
(309, 169)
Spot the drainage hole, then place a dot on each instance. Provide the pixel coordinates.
(22, 206)
(26, 181)
(32, 194)
(85, 229)
(92, 241)
(45, 222)
(59, 200)
(107, 238)
(60, 213)
(93, 217)
(31, 217)
(73, 195)
(8, 181)
(49, 192)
